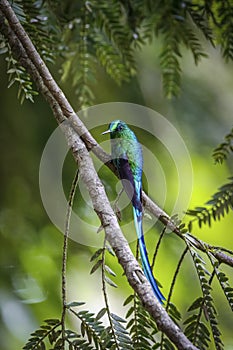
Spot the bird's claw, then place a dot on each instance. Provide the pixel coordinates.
(138, 274)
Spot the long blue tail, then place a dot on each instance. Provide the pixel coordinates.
(144, 257)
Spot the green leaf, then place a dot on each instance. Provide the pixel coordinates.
(101, 313)
(117, 318)
(96, 254)
(110, 282)
(52, 321)
(109, 270)
(196, 304)
(96, 266)
(128, 300)
(74, 304)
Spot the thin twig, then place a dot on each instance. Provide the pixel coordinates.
(175, 276)
(106, 296)
(65, 247)
(173, 285)
(157, 246)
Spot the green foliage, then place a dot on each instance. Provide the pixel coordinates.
(49, 331)
(224, 14)
(223, 280)
(141, 327)
(3, 45)
(117, 330)
(96, 36)
(33, 16)
(195, 329)
(18, 74)
(173, 24)
(89, 35)
(221, 152)
(207, 306)
(139, 330)
(218, 206)
(99, 262)
(200, 12)
(92, 331)
(99, 34)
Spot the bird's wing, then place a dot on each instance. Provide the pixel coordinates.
(131, 186)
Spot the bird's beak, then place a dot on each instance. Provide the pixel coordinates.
(106, 132)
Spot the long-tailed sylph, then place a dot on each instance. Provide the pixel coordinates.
(128, 160)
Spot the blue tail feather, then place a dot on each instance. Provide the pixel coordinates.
(144, 257)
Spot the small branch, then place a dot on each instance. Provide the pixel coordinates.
(175, 276)
(173, 285)
(65, 247)
(157, 246)
(106, 296)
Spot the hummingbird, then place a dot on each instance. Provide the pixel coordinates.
(128, 159)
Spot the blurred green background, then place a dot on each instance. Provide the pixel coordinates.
(30, 259)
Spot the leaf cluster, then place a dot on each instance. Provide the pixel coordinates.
(18, 74)
(217, 207)
(50, 332)
(93, 334)
(140, 325)
(99, 262)
(97, 37)
(196, 330)
(222, 151)
(89, 36)
(138, 330)
(117, 329)
(34, 18)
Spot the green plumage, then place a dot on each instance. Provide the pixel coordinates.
(128, 159)
(126, 145)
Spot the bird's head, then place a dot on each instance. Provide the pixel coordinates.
(117, 128)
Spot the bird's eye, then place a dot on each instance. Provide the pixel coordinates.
(120, 127)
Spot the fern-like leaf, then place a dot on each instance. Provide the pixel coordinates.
(18, 74)
(223, 280)
(79, 64)
(92, 330)
(208, 305)
(225, 20)
(223, 150)
(170, 64)
(32, 16)
(192, 42)
(141, 326)
(50, 330)
(200, 15)
(109, 19)
(195, 328)
(218, 206)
